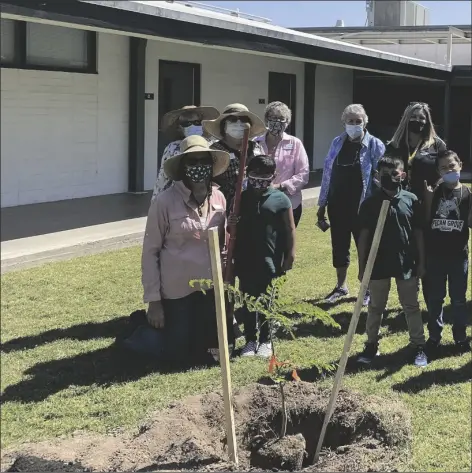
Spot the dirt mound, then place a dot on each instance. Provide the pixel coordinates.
(365, 434)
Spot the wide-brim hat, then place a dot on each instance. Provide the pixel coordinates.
(236, 110)
(170, 118)
(192, 145)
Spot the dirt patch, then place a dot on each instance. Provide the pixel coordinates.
(365, 434)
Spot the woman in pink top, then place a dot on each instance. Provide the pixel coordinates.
(175, 252)
(293, 169)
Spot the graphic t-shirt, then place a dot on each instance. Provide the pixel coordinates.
(448, 232)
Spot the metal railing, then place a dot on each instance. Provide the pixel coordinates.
(237, 13)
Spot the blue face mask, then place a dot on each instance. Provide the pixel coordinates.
(193, 130)
(451, 177)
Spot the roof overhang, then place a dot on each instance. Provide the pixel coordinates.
(177, 23)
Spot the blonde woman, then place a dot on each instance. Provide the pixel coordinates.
(418, 144)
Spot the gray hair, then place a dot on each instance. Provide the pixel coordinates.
(278, 108)
(356, 108)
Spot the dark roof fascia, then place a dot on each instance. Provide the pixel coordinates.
(107, 17)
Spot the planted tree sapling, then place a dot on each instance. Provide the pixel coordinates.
(284, 312)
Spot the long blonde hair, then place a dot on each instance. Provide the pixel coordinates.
(429, 133)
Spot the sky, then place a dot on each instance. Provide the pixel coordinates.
(325, 13)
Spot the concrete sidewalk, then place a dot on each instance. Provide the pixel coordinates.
(31, 251)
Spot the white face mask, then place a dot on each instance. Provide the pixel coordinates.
(193, 130)
(354, 131)
(235, 130)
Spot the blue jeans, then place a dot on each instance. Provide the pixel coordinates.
(442, 273)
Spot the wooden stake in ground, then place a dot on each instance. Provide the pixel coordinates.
(353, 325)
(215, 254)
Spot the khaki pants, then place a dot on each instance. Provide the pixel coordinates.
(408, 295)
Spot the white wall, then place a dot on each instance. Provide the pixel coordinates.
(227, 77)
(461, 53)
(333, 93)
(65, 135)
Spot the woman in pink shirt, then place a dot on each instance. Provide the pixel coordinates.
(175, 252)
(293, 169)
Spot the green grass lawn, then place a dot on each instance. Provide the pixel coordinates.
(61, 374)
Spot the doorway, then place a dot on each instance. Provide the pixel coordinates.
(283, 88)
(179, 85)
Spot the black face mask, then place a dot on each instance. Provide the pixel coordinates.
(199, 173)
(389, 184)
(416, 126)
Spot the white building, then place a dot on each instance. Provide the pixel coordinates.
(452, 106)
(84, 85)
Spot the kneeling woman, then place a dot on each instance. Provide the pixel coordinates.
(175, 251)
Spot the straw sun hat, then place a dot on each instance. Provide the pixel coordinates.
(236, 110)
(170, 118)
(192, 145)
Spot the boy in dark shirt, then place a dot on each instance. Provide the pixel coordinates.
(449, 216)
(400, 256)
(265, 245)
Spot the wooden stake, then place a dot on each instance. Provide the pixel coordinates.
(353, 325)
(215, 254)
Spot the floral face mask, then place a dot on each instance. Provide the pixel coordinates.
(199, 173)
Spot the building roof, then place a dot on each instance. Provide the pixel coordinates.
(181, 23)
(369, 36)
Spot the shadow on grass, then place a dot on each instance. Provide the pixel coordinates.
(89, 331)
(103, 367)
(427, 379)
(392, 321)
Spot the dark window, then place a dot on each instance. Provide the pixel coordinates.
(7, 41)
(40, 46)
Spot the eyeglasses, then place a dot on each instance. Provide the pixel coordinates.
(186, 123)
(277, 119)
(234, 119)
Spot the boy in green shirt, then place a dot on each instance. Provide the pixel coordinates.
(265, 246)
(400, 256)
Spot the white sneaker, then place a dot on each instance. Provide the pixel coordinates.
(249, 349)
(264, 350)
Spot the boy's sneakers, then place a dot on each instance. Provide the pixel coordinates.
(336, 294)
(366, 299)
(371, 350)
(420, 356)
(463, 347)
(249, 349)
(265, 350)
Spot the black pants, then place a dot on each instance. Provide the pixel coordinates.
(254, 285)
(297, 214)
(344, 223)
(191, 328)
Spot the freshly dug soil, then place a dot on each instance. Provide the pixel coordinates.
(365, 434)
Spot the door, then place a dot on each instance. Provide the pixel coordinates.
(283, 88)
(179, 85)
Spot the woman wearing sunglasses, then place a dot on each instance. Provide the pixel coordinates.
(228, 129)
(177, 125)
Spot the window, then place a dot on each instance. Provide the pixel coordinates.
(7, 41)
(28, 45)
(56, 46)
